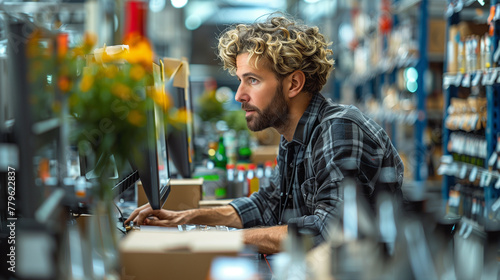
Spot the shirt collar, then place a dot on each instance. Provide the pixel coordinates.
(306, 122)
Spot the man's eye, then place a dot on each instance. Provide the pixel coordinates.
(253, 81)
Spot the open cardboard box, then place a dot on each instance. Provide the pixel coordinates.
(175, 255)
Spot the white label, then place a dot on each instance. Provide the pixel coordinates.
(493, 159)
(473, 175)
(463, 172)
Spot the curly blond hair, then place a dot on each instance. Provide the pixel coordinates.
(285, 43)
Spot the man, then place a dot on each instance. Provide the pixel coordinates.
(282, 66)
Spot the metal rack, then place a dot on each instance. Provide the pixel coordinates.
(489, 178)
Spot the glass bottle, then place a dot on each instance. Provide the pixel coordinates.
(241, 181)
(268, 174)
(220, 158)
(231, 182)
(244, 151)
(253, 181)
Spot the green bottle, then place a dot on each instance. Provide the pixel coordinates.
(220, 159)
(220, 162)
(244, 151)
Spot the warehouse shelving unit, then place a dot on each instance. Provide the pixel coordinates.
(377, 76)
(476, 174)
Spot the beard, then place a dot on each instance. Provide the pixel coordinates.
(274, 115)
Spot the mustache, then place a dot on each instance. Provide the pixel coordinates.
(246, 107)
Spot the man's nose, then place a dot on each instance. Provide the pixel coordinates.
(240, 95)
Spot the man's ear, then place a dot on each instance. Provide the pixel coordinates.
(296, 79)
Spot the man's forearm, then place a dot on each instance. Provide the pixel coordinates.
(225, 215)
(267, 239)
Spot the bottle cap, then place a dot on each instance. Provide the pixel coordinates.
(241, 167)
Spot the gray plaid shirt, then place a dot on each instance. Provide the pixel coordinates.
(331, 142)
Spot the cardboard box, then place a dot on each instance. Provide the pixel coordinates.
(184, 194)
(261, 154)
(175, 255)
(452, 51)
(437, 35)
(467, 28)
(210, 203)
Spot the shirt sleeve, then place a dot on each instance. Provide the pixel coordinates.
(261, 208)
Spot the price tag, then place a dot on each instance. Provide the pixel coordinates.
(493, 159)
(493, 76)
(486, 77)
(449, 10)
(458, 79)
(452, 171)
(483, 149)
(473, 175)
(443, 169)
(482, 180)
(497, 184)
(463, 172)
(489, 176)
(476, 79)
(447, 81)
(466, 81)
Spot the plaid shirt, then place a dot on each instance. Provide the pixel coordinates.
(331, 142)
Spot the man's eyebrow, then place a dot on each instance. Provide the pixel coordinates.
(251, 74)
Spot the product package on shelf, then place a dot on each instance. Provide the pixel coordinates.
(467, 114)
(469, 48)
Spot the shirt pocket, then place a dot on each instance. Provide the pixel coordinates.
(308, 190)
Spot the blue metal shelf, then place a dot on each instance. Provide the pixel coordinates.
(492, 88)
(449, 92)
(422, 66)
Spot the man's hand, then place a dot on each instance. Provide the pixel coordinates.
(145, 215)
(136, 213)
(224, 215)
